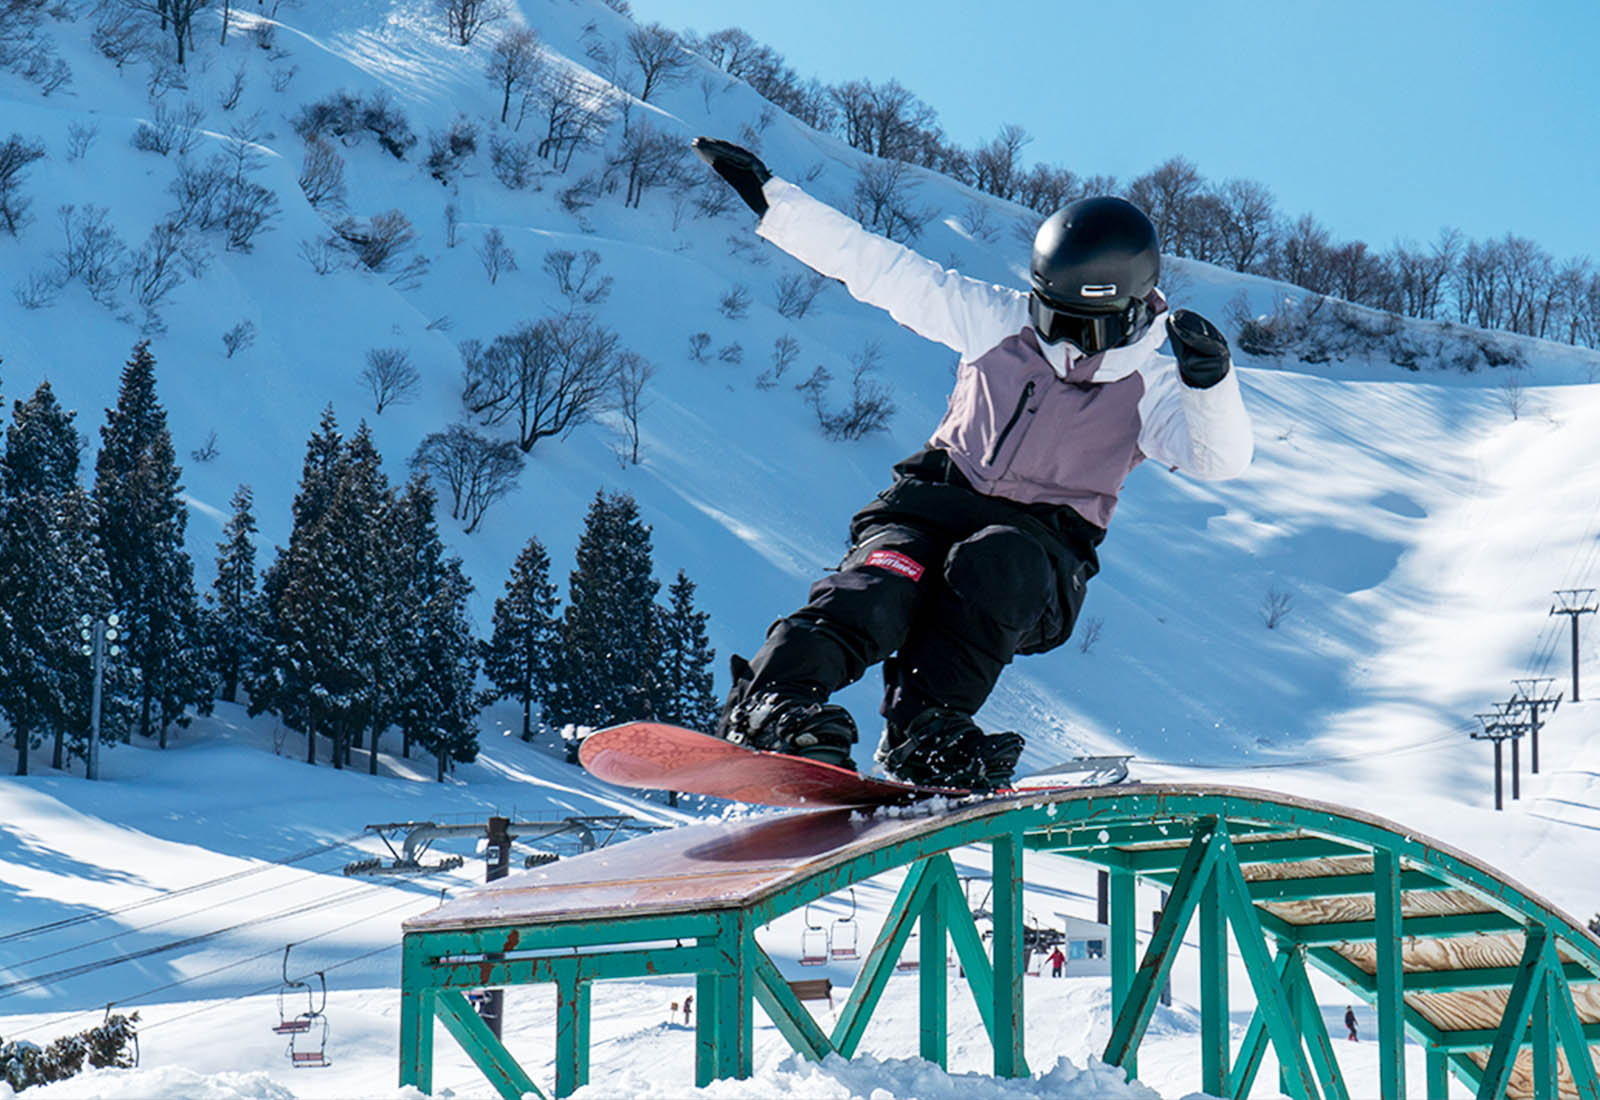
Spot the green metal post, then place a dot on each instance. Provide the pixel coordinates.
(1569, 1029)
(705, 1025)
(786, 1011)
(1314, 1030)
(501, 1070)
(879, 963)
(1514, 1020)
(1390, 975)
(572, 1029)
(1124, 948)
(935, 983)
(1009, 1059)
(967, 942)
(416, 1017)
(1131, 1021)
(1544, 1042)
(1438, 1063)
(1270, 999)
(1214, 1053)
(1243, 1075)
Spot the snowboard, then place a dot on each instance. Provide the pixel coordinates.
(660, 757)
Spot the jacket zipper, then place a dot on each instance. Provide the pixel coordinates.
(1016, 414)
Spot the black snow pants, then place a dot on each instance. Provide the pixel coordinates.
(943, 584)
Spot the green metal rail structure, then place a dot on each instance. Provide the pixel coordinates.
(1500, 987)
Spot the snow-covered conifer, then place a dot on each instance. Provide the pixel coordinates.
(608, 636)
(235, 618)
(519, 658)
(683, 676)
(142, 520)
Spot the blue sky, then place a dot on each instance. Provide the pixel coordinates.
(1385, 120)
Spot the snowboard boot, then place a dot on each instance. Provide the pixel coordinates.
(774, 720)
(941, 747)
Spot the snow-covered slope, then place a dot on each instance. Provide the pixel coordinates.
(1415, 526)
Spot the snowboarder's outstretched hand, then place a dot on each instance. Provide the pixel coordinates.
(1201, 349)
(739, 166)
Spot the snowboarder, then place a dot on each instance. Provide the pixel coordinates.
(1057, 961)
(1350, 1023)
(982, 546)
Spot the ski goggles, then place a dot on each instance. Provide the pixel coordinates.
(1092, 331)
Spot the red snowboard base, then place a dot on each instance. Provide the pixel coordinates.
(658, 757)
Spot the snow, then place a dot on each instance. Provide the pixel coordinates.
(1416, 526)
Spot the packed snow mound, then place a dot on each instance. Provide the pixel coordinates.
(867, 1078)
(171, 1082)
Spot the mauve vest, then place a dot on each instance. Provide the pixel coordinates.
(1018, 431)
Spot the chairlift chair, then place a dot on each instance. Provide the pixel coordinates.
(301, 1027)
(843, 939)
(301, 1054)
(298, 1023)
(815, 942)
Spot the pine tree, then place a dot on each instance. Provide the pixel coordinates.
(283, 683)
(437, 708)
(609, 648)
(683, 679)
(235, 616)
(142, 523)
(519, 657)
(51, 572)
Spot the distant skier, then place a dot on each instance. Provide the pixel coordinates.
(1057, 961)
(1350, 1023)
(983, 545)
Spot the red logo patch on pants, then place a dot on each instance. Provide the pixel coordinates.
(896, 562)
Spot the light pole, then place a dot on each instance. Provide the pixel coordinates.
(94, 632)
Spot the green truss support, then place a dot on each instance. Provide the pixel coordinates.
(1009, 968)
(786, 1012)
(1389, 976)
(879, 963)
(1214, 1053)
(1124, 916)
(486, 1052)
(932, 980)
(1242, 1077)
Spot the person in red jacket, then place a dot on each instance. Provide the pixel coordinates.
(1057, 961)
(982, 547)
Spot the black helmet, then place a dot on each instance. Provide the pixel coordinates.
(1094, 262)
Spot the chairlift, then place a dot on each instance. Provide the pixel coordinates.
(815, 941)
(312, 1021)
(842, 940)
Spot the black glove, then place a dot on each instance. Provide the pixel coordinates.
(1201, 349)
(739, 166)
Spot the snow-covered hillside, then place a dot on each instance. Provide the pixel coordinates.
(1415, 527)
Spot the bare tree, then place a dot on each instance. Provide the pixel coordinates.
(80, 136)
(476, 469)
(1247, 215)
(239, 337)
(514, 65)
(650, 157)
(16, 154)
(698, 343)
(1167, 193)
(207, 451)
(235, 89)
(171, 130)
(452, 224)
(633, 374)
(496, 255)
(871, 406)
(390, 377)
(785, 350)
(176, 16)
(543, 378)
(94, 254)
(659, 55)
(883, 200)
(1089, 632)
(161, 263)
(1275, 607)
(376, 245)
(512, 161)
(797, 291)
(1513, 397)
(997, 166)
(463, 19)
(577, 277)
(576, 115)
(735, 302)
(322, 175)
